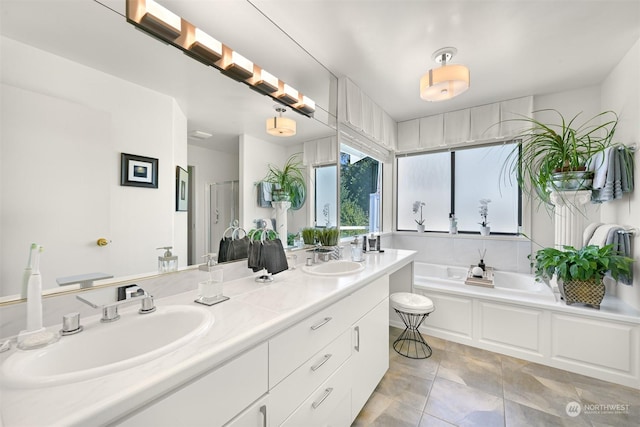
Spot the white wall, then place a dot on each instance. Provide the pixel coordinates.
(620, 92)
(210, 166)
(123, 117)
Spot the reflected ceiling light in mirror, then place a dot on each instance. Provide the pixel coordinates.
(281, 126)
(206, 47)
(445, 82)
(155, 18)
(163, 24)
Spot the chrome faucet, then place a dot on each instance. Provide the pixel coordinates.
(133, 294)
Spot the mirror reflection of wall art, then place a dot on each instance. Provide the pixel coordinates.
(138, 171)
(182, 189)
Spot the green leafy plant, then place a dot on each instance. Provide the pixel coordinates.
(546, 149)
(289, 182)
(328, 236)
(588, 263)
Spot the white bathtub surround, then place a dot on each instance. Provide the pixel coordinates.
(569, 217)
(256, 315)
(523, 318)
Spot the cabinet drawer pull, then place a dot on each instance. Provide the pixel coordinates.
(320, 363)
(326, 394)
(357, 346)
(321, 323)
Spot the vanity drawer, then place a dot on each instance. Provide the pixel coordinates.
(286, 396)
(328, 405)
(297, 344)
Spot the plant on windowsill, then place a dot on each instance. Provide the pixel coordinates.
(288, 182)
(553, 156)
(485, 230)
(417, 206)
(580, 272)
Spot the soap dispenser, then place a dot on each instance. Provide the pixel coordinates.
(168, 261)
(210, 290)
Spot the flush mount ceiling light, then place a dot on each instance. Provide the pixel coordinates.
(281, 126)
(445, 82)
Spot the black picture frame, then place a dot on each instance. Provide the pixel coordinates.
(138, 171)
(182, 189)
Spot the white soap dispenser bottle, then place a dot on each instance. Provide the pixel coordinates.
(167, 262)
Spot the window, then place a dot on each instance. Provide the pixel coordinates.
(360, 190)
(326, 178)
(455, 182)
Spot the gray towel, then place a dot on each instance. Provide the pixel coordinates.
(605, 193)
(619, 238)
(619, 179)
(626, 169)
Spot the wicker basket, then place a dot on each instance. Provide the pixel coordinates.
(588, 292)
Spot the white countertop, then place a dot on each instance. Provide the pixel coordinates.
(254, 313)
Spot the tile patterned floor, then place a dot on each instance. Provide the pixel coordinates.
(465, 386)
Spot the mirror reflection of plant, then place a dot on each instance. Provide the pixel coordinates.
(289, 180)
(309, 236)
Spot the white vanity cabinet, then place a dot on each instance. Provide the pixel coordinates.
(256, 415)
(212, 399)
(350, 341)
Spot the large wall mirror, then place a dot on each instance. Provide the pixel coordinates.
(81, 86)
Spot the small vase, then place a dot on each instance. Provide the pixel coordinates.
(420, 228)
(484, 231)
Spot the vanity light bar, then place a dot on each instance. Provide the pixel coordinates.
(167, 26)
(160, 20)
(265, 81)
(238, 67)
(206, 46)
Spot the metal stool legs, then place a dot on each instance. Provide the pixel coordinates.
(410, 342)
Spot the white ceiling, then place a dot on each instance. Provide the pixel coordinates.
(513, 48)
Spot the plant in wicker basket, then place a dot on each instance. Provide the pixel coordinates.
(579, 272)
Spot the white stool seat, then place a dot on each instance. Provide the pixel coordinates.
(411, 303)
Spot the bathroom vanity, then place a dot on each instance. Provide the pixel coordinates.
(305, 349)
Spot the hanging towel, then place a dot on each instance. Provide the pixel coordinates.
(621, 242)
(599, 163)
(605, 192)
(273, 257)
(601, 234)
(223, 249)
(253, 255)
(626, 167)
(238, 249)
(619, 175)
(588, 232)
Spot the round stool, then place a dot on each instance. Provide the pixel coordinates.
(412, 309)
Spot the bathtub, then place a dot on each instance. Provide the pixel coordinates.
(523, 318)
(507, 286)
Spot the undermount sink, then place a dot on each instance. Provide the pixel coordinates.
(334, 268)
(105, 348)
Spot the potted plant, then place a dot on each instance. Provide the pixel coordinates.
(552, 157)
(417, 206)
(309, 236)
(288, 182)
(579, 272)
(484, 213)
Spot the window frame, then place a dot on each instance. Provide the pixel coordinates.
(452, 151)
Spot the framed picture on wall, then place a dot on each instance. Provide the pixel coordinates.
(138, 171)
(182, 189)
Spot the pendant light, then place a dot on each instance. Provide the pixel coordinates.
(445, 82)
(281, 126)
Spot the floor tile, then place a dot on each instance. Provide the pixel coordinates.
(382, 411)
(407, 389)
(431, 421)
(479, 373)
(463, 405)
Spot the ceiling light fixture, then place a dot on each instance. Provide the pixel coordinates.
(445, 82)
(281, 126)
